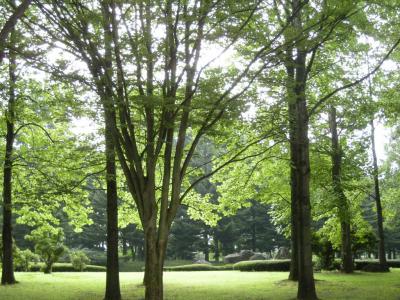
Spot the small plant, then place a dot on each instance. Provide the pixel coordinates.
(79, 260)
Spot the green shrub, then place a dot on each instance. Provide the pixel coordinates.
(372, 265)
(67, 267)
(79, 260)
(263, 265)
(23, 259)
(199, 267)
(97, 257)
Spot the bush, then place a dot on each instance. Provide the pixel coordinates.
(97, 257)
(372, 265)
(79, 260)
(199, 267)
(263, 265)
(23, 259)
(67, 267)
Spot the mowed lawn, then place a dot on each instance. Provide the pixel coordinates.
(205, 285)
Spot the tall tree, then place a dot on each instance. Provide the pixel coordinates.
(7, 275)
(344, 211)
(377, 197)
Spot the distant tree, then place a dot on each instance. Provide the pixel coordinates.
(49, 245)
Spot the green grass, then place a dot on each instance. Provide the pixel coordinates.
(219, 285)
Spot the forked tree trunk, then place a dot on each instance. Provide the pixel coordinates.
(377, 196)
(7, 275)
(343, 206)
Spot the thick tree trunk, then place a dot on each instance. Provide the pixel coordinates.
(306, 286)
(343, 206)
(377, 196)
(48, 268)
(153, 279)
(7, 276)
(300, 146)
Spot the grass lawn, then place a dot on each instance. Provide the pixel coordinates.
(215, 285)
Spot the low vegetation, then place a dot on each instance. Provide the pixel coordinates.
(221, 285)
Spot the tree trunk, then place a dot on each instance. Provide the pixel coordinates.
(300, 144)
(206, 247)
(377, 196)
(216, 249)
(48, 267)
(7, 276)
(153, 279)
(253, 228)
(306, 286)
(343, 206)
(124, 247)
(112, 276)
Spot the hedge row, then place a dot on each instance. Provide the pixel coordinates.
(199, 267)
(373, 265)
(67, 267)
(282, 265)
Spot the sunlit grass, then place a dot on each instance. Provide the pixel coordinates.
(205, 285)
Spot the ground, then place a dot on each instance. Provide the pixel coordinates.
(215, 285)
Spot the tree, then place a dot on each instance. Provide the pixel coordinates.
(9, 25)
(377, 196)
(49, 245)
(336, 156)
(7, 275)
(167, 107)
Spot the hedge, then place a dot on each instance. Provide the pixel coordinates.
(370, 265)
(199, 267)
(67, 267)
(282, 265)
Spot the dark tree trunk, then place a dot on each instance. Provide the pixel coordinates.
(216, 249)
(112, 276)
(377, 196)
(206, 247)
(253, 229)
(343, 206)
(306, 284)
(124, 247)
(48, 267)
(7, 276)
(9, 25)
(294, 265)
(306, 287)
